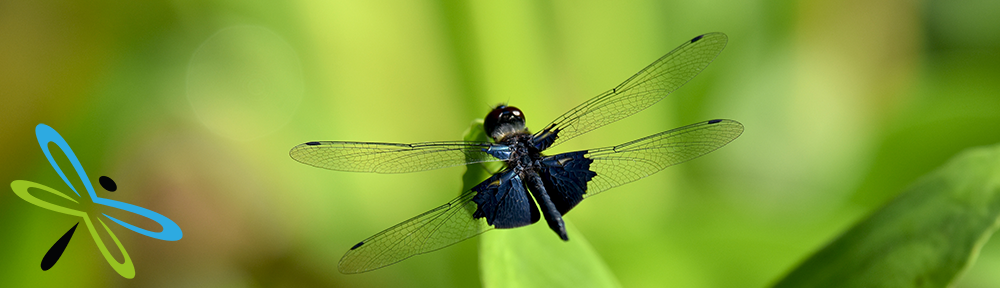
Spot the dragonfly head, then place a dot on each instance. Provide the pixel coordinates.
(502, 121)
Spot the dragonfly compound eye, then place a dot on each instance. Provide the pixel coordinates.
(502, 119)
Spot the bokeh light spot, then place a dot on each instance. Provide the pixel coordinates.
(244, 82)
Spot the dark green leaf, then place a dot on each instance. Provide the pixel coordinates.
(925, 237)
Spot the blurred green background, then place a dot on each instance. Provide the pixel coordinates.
(192, 106)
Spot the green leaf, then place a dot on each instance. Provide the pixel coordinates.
(925, 237)
(533, 256)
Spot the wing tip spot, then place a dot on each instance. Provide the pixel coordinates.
(358, 245)
(697, 38)
(314, 143)
(714, 121)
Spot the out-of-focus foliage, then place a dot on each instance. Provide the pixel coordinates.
(845, 103)
(924, 237)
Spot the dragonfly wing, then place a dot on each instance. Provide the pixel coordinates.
(390, 157)
(503, 200)
(443, 226)
(634, 160)
(640, 91)
(565, 177)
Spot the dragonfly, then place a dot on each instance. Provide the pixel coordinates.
(532, 185)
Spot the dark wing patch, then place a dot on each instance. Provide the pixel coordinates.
(565, 177)
(545, 138)
(503, 200)
(390, 157)
(638, 92)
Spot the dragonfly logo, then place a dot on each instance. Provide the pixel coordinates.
(46, 135)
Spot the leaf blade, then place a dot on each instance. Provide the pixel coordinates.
(925, 237)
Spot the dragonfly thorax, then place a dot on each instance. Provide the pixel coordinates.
(523, 155)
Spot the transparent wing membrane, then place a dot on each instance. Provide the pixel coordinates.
(634, 160)
(389, 157)
(445, 225)
(640, 91)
